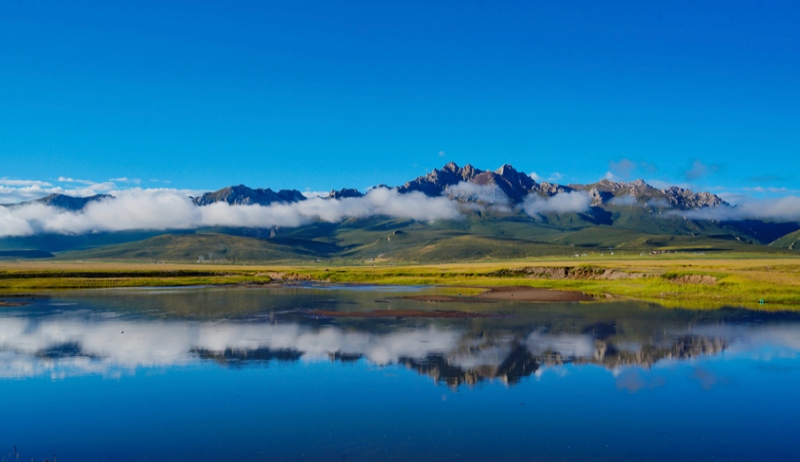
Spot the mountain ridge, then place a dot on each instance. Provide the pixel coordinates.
(499, 219)
(516, 186)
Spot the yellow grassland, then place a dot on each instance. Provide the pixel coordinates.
(766, 282)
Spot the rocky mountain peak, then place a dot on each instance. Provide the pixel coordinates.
(506, 181)
(515, 184)
(506, 170)
(451, 167)
(640, 191)
(344, 193)
(243, 195)
(435, 182)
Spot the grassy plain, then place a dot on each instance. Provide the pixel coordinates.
(675, 280)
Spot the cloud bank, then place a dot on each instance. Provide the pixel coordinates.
(567, 202)
(15, 190)
(169, 209)
(490, 196)
(784, 209)
(111, 345)
(156, 209)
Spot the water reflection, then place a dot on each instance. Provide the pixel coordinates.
(63, 338)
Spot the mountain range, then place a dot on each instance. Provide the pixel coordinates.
(503, 217)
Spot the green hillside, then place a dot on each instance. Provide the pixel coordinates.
(383, 239)
(502, 216)
(192, 247)
(790, 241)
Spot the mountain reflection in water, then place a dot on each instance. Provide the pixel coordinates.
(93, 336)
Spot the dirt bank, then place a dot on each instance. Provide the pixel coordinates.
(569, 272)
(532, 294)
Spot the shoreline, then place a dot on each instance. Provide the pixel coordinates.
(767, 284)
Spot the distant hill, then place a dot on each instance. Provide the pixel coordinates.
(192, 247)
(630, 216)
(790, 241)
(19, 254)
(384, 240)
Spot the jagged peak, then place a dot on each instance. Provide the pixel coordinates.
(640, 189)
(621, 184)
(245, 195)
(506, 169)
(452, 167)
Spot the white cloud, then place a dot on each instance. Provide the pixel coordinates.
(785, 209)
(486, 194)
(15, 191)
(623, 201)
(622, 168)
(14, 195)
(699, 170)
(310, 194)
(105, 348)
(565, 202)
(658, 203)
(24, 183)
(109, 345)
(125, 179)
(163, 209)
(552, 178)
(64, 179)
(567, 345)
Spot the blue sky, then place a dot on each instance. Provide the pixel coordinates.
(322, 95)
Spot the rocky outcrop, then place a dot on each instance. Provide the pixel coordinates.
(693, 279)
(567, 272)
(242, 195)
(628, 193)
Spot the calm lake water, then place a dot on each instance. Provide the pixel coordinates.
(249, 374)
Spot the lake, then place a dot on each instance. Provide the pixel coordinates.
(215, 374)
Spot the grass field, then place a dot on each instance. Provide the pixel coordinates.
(692, 281)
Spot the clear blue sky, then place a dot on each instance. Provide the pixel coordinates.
(329, 94)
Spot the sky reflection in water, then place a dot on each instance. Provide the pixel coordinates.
(214, 374)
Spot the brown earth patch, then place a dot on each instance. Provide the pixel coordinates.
(442, 299)
(533, 294)
(282, 276)
(400, 314)
(694, 279)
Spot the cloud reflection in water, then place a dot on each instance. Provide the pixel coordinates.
(73, 344)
